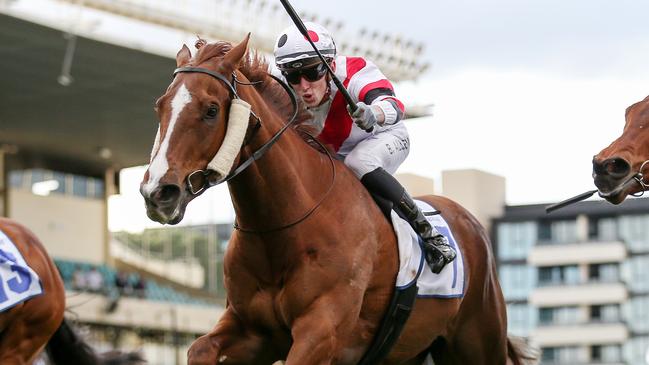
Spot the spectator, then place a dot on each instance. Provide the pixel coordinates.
(122, 284)
(94, 281)
(140, 287)
(79, 279)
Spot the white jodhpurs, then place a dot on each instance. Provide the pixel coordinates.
(387, 148)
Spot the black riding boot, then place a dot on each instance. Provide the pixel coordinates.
(437, 251)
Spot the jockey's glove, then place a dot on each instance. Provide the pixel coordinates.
(365, 116)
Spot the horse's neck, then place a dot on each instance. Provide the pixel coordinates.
(282, 185)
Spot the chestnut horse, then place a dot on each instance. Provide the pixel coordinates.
(311, 267)
(38, 322)
(618, 170)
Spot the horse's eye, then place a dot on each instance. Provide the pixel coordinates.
(212, 112)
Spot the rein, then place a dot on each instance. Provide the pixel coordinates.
(310, 211)
(204, 174)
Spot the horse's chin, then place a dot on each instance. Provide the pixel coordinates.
(615, 198)
(161, 217)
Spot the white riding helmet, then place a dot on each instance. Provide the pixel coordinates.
(293, 51)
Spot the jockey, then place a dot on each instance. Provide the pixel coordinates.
(373, 156)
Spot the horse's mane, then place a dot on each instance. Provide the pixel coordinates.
(255, 68)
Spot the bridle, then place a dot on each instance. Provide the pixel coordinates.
(204, 174)
(637, 178)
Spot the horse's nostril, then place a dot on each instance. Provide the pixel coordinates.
(167, 194)
(617, 167)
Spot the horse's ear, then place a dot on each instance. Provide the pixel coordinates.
(234, 56)
(183, 56)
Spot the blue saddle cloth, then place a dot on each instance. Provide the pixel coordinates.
(18, 282)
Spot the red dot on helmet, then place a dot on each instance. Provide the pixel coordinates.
(313, 35)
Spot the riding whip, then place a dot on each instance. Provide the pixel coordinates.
(302, 28)
(569, 201)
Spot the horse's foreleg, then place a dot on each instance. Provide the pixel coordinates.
(327, 333)
(229, 343)
(314, 341)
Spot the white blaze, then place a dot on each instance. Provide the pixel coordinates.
(159, 164)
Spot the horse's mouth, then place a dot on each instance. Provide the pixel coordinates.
(616, 194)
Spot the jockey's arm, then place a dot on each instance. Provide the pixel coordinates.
(384, 105)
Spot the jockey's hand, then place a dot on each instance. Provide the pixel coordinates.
(364, 116)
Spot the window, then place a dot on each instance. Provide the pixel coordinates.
(563, 355)
(517, 281)
(37, 175)
(521, 319)
(60, 178)
(559, 275)
(636, 272)
(636, 349)
(98, 188)
(559, 315)
(557, 232)
(69, 184)
(637, 313)
(602, 228)
(515, 240)
(80, 186)
(606, 353)
(607, 273)
(16, 179)
(634, 230)
(605, 313)
(564, 231)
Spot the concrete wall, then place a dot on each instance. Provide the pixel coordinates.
(140, 313)
(482, 193)
(416, 185)
(70, 227)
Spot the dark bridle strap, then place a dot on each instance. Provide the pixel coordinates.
(211, 73)
(310, 211)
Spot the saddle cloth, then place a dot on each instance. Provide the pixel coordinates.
(449, 283)
(18, 282)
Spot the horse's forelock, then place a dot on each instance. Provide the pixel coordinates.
(211, 50)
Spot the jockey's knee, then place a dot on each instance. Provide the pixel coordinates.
(360, 165)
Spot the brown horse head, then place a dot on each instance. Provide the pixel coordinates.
(193, 115)
(618, 169)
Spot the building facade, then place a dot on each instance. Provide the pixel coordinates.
(576, 281)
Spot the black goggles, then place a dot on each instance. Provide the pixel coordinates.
(311, 74)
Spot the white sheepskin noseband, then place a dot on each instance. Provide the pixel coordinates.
(237, 126)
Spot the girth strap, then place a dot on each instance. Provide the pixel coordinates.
(395, 319)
